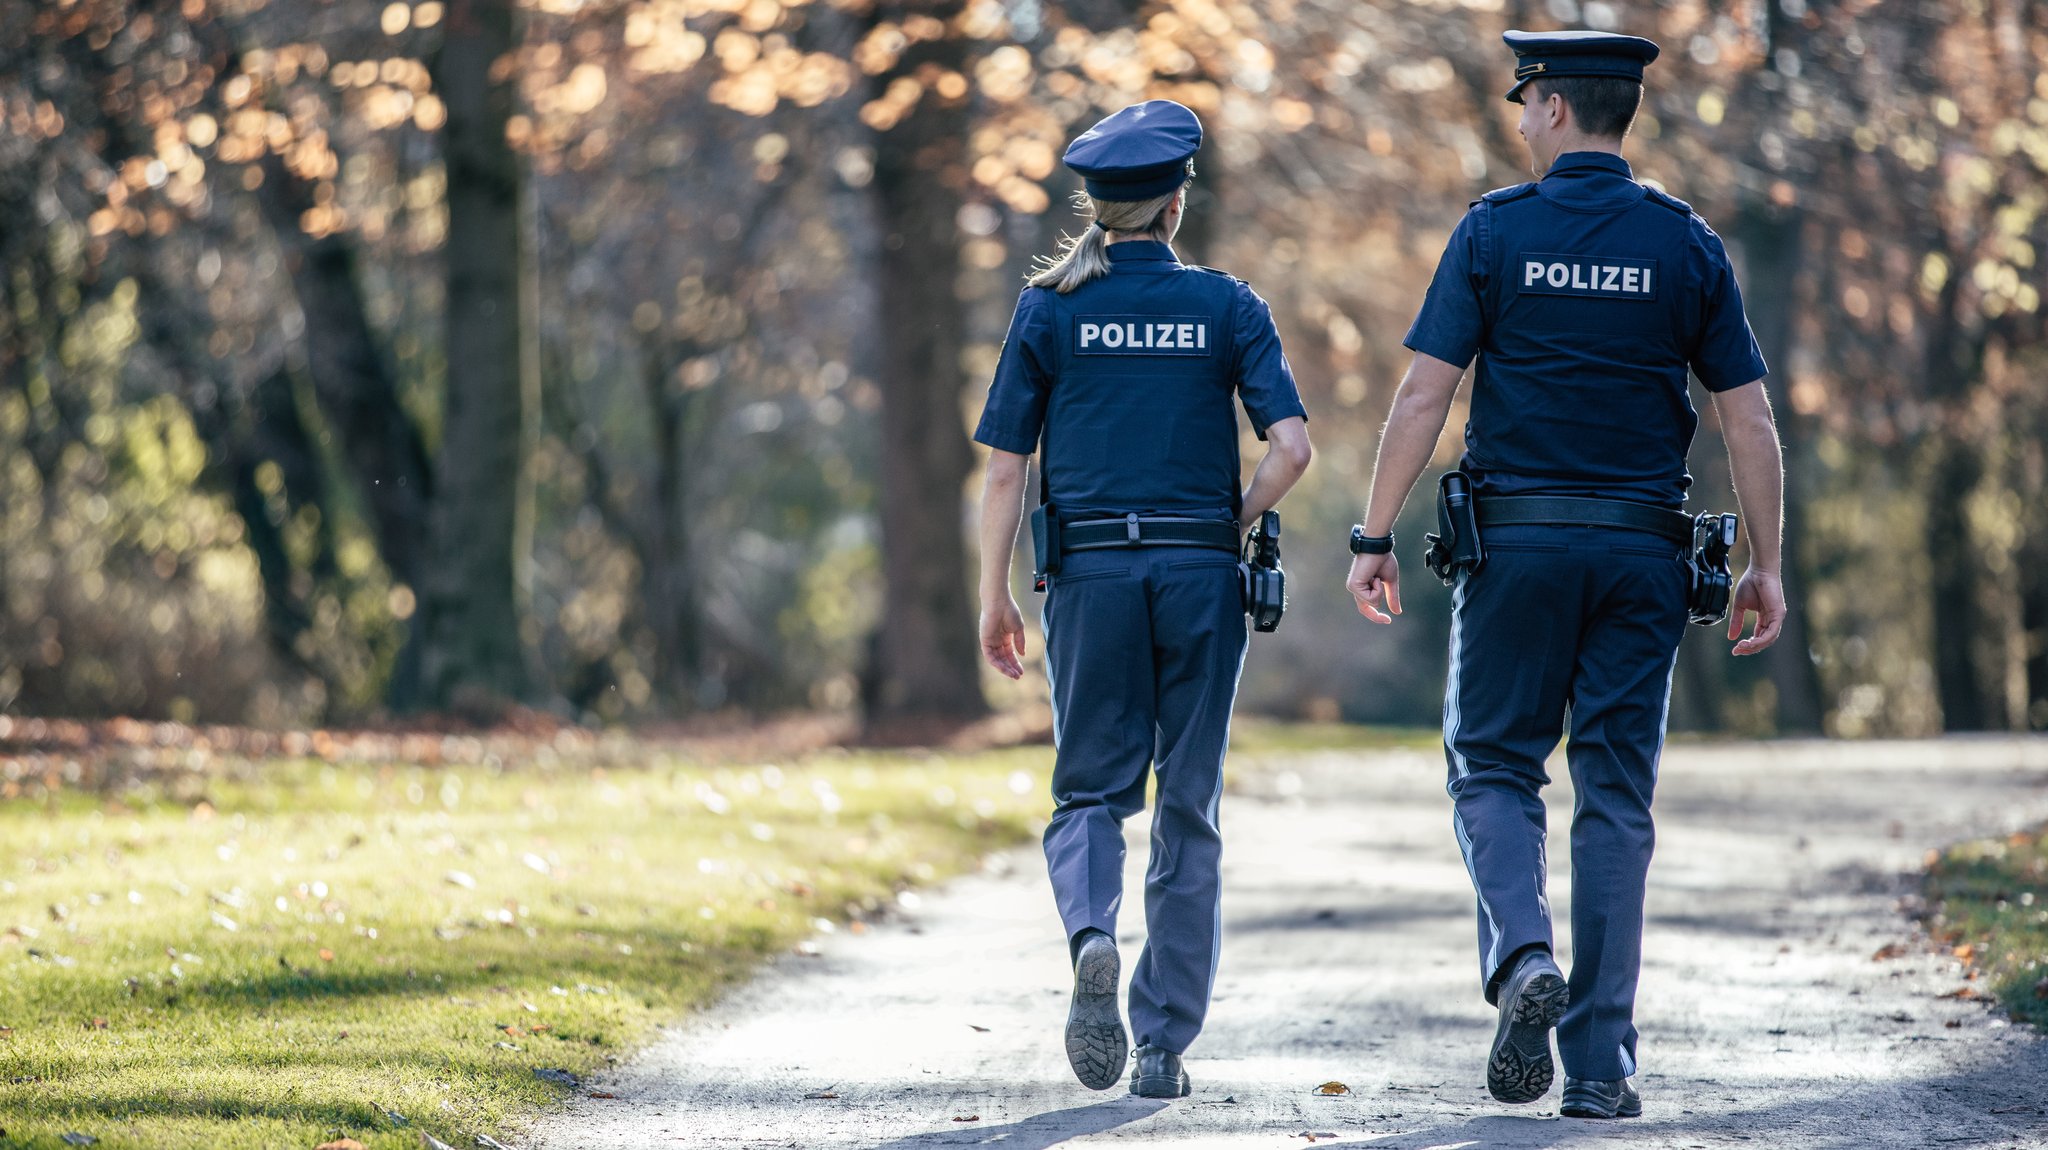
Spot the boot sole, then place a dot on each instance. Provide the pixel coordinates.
(1096, 1044)
(1520, 1068)
(1587, 1104)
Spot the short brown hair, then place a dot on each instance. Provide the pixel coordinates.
(1603, 105)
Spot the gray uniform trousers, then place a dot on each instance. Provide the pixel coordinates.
(1144, 647)
(1570, 630)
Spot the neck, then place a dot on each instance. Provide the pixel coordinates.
(1573, 140)
(1128, 237)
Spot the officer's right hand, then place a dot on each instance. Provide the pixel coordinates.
(1370, 576)
(1002, 637)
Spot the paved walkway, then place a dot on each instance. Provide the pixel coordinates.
(1764, 1019)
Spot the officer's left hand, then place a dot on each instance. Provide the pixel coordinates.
(1761, 592)
(1371, 575)
(1002, 637)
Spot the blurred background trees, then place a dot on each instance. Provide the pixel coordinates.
(617, 357)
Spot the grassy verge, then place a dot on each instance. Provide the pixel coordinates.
(281, 952)
(1988, 901)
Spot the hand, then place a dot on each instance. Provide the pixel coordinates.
(1002, 637)
(1762, 593)
(1370, 575)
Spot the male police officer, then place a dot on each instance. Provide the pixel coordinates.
(1585, 297)
(1121, 368)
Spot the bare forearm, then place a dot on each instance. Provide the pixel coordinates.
(1002, 509)
(1420, 408)
(1286, 461)
(1758, 467)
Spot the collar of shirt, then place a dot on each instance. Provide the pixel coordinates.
(1140, 251)
(1590, 176)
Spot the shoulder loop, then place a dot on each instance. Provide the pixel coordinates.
(1668, 200)
(1506, 195)
(1213, 272)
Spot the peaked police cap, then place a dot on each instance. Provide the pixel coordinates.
(1143, 151)
(1549, 55)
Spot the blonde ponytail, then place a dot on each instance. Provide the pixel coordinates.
(1084, 257)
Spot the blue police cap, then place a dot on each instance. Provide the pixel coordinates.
(1548, 55)
(1143, 151)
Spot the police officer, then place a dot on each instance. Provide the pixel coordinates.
(1121, 370)
(1586, 298)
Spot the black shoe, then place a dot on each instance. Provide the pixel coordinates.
(1588, 1098)
(1159, 1074)
(1531, 1001)
(1096, 1044)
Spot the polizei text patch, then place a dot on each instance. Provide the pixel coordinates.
(1600, 277)
(1141, 335)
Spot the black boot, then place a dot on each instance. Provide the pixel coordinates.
(1096, 1044)
(1532, 999)
(1159, 1074)
(1587, 1098)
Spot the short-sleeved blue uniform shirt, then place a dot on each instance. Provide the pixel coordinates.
(1586, 297)
(1129, 380)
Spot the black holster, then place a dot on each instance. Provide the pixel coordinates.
(1261, 580)
(1455, 546)
(1045, 544)
(1709, 582)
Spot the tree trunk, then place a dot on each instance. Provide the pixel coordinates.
(1958, 612)
(472, 656)
(668, 570)
(926, 664)
(353, 380)
(1771, 248)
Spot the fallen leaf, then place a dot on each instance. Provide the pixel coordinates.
(1331, 1089)
(967, 1118)
(821, 1094)
(463, 879)
(341, 1144)
(558, 1077)
(326, 955)
(432, 1143)
(396, 1118)
(1962, 992)
(977, 1029)
(1964, 952)
(96, 1024)
(507, 1046)
(1888, 950)
(1954, 1024)
(490, 1143)
(77, 1139)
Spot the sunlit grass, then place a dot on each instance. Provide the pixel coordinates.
(1989, 901)
(296, 951)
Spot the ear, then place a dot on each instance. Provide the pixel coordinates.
(1556, 110)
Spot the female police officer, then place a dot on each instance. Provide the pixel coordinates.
(1120, 368)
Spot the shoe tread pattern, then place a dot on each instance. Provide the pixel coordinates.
(1521, 1068)
(1097, 1046)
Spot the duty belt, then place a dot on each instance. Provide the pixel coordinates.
(1565, 511)
(1136, 530)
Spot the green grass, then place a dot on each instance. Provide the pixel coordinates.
(1988, 900)
(283, 952)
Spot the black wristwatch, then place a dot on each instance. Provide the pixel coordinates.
(1363, 544)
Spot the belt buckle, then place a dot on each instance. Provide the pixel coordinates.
(1131, 529)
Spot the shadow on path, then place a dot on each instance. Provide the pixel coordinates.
(1040, 1131)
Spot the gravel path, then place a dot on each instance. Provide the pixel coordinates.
(1765, 1020)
